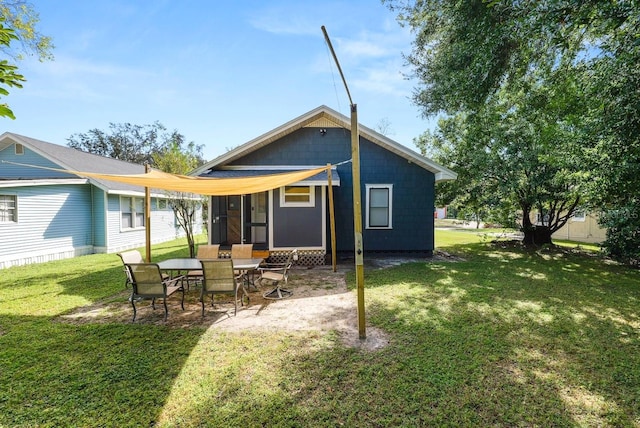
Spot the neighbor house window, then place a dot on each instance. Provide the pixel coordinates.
(379, 206)
(19, 149)
(132, 212)
(8, 211)
(542, 218)
(162, 204)
(297, 196)
(579, 215)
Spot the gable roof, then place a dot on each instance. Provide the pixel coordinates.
(77, 160)
(327, 117)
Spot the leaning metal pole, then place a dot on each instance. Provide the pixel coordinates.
(357, 199)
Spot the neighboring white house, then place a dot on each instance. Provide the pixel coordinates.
(48, 215)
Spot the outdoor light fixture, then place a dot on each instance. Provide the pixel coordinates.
(323, 131)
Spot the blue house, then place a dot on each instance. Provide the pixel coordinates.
(47, 215)
(397, 187)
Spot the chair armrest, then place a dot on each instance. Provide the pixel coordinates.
(171, 282)
(272, 265)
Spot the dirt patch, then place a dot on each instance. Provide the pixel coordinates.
(320, 301)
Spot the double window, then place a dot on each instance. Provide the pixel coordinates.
(379, 206)
(8, 208)
(131, 212)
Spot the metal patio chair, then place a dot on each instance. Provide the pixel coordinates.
(276, 274)
(148, 283)
(204, 252)
(219, 278)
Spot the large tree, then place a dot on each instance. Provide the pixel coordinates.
(129, 142)
(19, 37)
(518, 154)
(466, 53)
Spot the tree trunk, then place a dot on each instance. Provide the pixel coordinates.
(537, 235)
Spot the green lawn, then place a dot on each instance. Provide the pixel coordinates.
(505, 337)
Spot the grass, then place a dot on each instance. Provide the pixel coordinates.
(505, 337)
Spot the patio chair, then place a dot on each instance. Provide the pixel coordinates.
(127, 257)
(204, 252)
(148, 283)
(276, 274)
(219, 278)
(241, 251)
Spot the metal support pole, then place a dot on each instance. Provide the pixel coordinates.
(357, 199)
(147, 215)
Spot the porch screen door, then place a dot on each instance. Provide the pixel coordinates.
(255, 220)
(240, 219)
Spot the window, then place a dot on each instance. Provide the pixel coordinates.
(132, 212)
(19, 149)
(379, 197)
(297, 196)
(8, 211)
(161, 204)
(542, 218)
(579, 215)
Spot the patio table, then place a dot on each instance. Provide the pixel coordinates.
(187, 264)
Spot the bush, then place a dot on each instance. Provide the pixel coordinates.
(623, 233)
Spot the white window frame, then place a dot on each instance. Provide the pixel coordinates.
(135, 214)
(579, 216)
(13, 217)
(162, 204)
(310, 202)
(368, 188)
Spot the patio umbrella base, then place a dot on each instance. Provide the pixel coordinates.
(277, 294)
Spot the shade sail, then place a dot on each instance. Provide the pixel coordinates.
(321, 179)
(204, 185)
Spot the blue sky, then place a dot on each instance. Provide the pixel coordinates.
(219, 72)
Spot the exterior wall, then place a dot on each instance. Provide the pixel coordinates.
(413, 186)
(120, 240)
(57, 221)
(54, 222)
(295, 227)
(99, 208)
(586, 230)
(163, 227)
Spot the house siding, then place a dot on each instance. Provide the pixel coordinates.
(61, 215)
(163, 227)
(297, 226)
(52, 224)
(413, 186)
(587, 230)
(99, 209)
(10, 171)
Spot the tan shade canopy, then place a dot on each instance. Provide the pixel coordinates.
(204, 185)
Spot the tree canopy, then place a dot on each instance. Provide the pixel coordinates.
(576, 61)
(142, 144)
(18, 37)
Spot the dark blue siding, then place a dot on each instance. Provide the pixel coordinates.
(297, 226)
(413, 186)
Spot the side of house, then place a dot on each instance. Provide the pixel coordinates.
(582, 227)
(48, 215)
